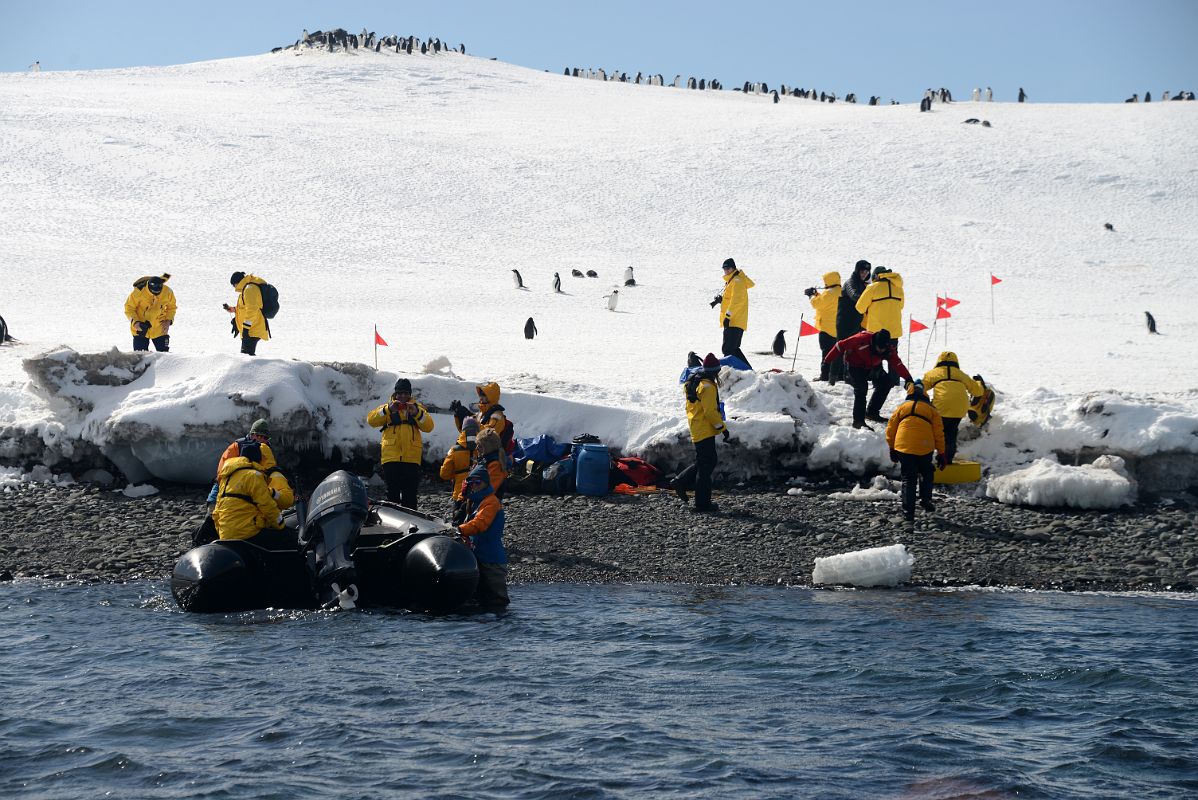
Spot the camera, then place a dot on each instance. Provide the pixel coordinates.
(811, 291)
(719, 298)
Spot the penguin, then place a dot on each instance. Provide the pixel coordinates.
(612, 299)
(4, 337)
(1151, 322)
(576, 273)
(630, 282)
(592, 274)
(775, 96)
(557, 283)
(780, 343)
(1111, 228)
(517, 279)
(628, 276)
(530, 329)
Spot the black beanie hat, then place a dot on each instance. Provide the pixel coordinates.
(729, 264)
(402, 385)
(863, 264)
(236, 278)
(881, 339)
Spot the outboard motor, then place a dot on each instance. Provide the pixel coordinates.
(336, 512)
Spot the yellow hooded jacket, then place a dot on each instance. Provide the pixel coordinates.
(143, 305)
(881, 305)
(249, 307)
(703, 414)
(735, 306)
(456, 465)
(825, 304)
(244, 505)
(490, 413)
(916, 428)
(401, 432)
(951, 388)
(280, 488)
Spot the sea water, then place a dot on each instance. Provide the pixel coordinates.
(603, 691)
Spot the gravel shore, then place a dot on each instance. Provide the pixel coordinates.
(761, 536)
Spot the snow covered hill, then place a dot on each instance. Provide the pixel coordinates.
(402, 190)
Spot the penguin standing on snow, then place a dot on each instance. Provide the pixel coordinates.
(592, 274)
(612, 299)
(629, 280)
(517, 279)
(1151, 322)
(557, 283)
(780, 343)
(577, 273)
(1109, 226)
(530, 329)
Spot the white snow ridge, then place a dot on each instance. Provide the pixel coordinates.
(400, 191)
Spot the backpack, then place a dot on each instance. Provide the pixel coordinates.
(507, 436)
(637, 471)
(270, 300)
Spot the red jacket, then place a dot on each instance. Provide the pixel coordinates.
(858, 351)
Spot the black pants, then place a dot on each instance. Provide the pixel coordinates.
(917, 473)
(249, 344)
(697, 476)
(731, 346)
(826, 342)
(860, 378)
(951, 424)
(491, 592)
(403, 480)
(161, 343)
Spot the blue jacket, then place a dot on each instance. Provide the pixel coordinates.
(485, 525)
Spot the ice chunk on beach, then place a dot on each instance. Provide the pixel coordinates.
(1102, 484)
(877, 566)
(139, 490)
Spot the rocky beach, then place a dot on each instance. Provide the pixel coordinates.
(762, 536)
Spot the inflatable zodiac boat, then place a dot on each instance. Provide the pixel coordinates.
(350, 552)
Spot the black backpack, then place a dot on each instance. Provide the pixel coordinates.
(270, 300)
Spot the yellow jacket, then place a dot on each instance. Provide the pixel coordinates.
(735, 305)
(490, 413)
(825, 304)
(401, 432)
(249, 307)
(280, 489)
(881, 305)
(143, 305)
(234, 450)
(951, 388)
(703, 414)
(244, 505)
(916, 428)
(456, 466)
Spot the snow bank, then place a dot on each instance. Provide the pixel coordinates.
(876, 566)
(880, 488)
(1102, 484)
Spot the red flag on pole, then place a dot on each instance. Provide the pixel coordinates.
(942, 313)
(379, 339)
(807, 329)
(916, 326)
(939, 301)
(949, 302)
(994, 280)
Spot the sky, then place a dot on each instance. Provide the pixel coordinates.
(1058, 51)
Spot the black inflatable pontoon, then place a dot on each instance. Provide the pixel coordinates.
(351, 552)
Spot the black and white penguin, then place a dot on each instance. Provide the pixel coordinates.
(462, 48)
(612, 299)
(628, 276)
(1108, 226)
(1151, 322)
(576, 273)
(775, 95)
(517, 279)
(557, 283)
(630, 282)
(530, 329)
(592, 274)
(780, 343)
(4, 337)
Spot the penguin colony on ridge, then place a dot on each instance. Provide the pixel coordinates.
(368, 40)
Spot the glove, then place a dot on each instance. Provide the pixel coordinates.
(941, 461)
(233, 325)
(727, 436)
(719, 298)
(143, 328)
(894, 456)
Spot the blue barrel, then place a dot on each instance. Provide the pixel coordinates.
(594, 466)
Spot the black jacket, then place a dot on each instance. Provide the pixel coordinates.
(848, 320)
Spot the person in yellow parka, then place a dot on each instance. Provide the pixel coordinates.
(951, 392)
(914, 431)
(456, 466)
(734, 309)
(150, 309)
(825, 304)
(248, 320)
(490, 414)
(705, 419)
(881, 304)
(402, 422)
(245, 505)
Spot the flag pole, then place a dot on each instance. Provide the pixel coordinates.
(992, 299)
(376, 347)
(798, 339)
(908, 338)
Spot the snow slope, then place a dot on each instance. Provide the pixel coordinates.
(401, 190)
